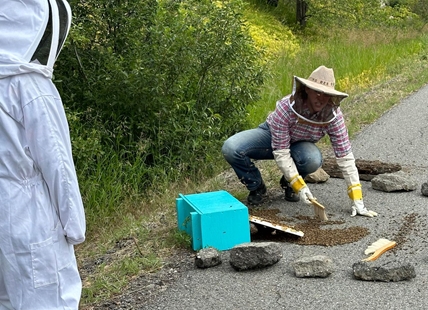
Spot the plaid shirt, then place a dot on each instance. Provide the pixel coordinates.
(286, 128)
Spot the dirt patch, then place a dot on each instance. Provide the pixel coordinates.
(316, 232)
(146, 286)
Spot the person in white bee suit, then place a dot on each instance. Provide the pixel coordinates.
(41, 210)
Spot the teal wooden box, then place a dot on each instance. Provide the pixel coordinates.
(213, 219)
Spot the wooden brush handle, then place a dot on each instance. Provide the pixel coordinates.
(316, 203)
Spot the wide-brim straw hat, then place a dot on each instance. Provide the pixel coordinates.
(322, 80)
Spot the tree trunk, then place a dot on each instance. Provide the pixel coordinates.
(301, 7)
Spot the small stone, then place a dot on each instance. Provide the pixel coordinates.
(386, 272)
(319, 176)
(253, 229)
(318, 266)
(424, 189)
(392, 182)
(208, 257)
(254, 255)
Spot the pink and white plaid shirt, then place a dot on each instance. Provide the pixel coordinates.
(286, 128)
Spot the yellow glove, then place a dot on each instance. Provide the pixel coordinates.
(299, 186)
(288, 168)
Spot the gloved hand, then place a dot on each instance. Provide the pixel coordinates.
(305, 194)
(289, 170)
(359, 208)
(299, 186)
(352, 179)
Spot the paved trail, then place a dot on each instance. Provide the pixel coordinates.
(400, 136)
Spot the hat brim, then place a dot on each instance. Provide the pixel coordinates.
(318, 87)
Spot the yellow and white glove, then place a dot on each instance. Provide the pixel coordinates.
(352, 179)
(288, 168)
(298, 185)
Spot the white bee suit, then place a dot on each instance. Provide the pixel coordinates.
(41, 210)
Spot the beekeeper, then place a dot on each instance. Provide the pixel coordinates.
(289, 136)
(41, 210)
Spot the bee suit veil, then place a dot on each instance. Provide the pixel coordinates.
(42, 215)
(321, 80)
(32, 35)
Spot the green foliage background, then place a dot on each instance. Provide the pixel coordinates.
(152, 89)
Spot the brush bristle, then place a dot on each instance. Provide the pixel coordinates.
(378, 248)
(376, 245)
(319, 210)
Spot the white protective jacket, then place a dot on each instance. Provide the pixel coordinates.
(41, 210)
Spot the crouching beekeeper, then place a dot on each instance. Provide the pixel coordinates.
(41, 210)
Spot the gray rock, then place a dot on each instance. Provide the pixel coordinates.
(208, 257)
(254, 255)
(253, 229)
(391, 271)
(391, 182)
(319, 176)
(318, 266)
(424, 189)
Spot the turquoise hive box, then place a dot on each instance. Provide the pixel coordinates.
(213, 219)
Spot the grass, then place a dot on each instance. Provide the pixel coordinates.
(361, 60)
(377, 70)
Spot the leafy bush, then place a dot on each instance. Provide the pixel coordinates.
(164, 81)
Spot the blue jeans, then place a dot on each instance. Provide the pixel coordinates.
(255, 144)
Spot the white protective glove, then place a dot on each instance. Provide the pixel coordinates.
(359, 208)
(288, 168)
(305, 194)
(352, 179)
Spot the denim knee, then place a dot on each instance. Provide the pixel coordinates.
(228, 150)
(306, 156)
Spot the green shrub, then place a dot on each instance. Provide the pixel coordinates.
(152, 88)
(178, 75)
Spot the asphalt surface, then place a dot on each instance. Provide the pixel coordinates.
(399, 136)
